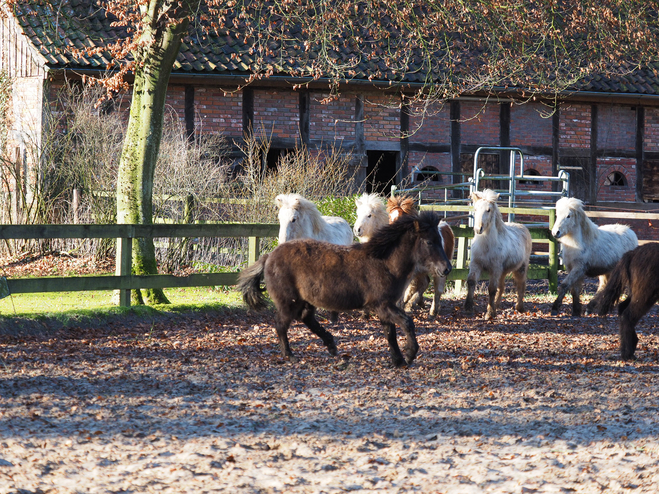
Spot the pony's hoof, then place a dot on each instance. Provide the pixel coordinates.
(333, 317)
(554, 312)
(292, 359)
(490, 315)
(332, 351)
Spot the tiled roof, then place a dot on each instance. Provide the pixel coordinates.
(80, 24)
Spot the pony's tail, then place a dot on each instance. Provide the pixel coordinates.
(249, 284)
(605, 299)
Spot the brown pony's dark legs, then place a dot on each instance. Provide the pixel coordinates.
(308, 317)
(282, 323)
(390, 316)
(630, 313)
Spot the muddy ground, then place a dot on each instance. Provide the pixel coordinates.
(204, 403)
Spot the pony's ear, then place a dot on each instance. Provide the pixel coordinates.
(476, 196)
(279, 200)
(358, 201)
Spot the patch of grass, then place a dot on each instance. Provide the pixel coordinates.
(67, 309)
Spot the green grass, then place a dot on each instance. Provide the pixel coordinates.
(79, 308)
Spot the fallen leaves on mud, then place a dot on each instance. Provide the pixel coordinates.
(526, 403)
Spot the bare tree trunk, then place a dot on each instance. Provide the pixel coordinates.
(155, 60)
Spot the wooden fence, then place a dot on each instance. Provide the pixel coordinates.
(124, 280)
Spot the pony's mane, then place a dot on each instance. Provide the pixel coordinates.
(587, 227)
(488, 195)
(404, 204)
(305, 206)
(386, 239)
(372, 200)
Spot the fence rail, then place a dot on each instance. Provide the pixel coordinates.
(124, 280)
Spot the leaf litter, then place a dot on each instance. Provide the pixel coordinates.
(527, 403)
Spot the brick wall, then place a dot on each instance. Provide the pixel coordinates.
(277, 114)
(651, 141)
(433, 127)
(217, 111)
(332, 119)
(528, 127)
(381, 118)
(479, 123)
(574, 125)
(616, 127)
(542, 165)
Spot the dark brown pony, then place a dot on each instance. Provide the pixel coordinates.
(638, 273)
(303, 274)
(397, 207)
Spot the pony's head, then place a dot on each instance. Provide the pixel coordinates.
(486, 211)
(398, 206)
(371, 215)
(570, 216)
(298, 217)
(427, 250)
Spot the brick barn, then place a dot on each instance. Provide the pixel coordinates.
(606, 134)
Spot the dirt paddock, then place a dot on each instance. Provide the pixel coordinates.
(528, 403)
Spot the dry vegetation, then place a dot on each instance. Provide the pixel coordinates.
(527, 403)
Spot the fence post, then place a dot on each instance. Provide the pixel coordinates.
(125, 255)
(253, 253)
(553, 255)
(461, 260)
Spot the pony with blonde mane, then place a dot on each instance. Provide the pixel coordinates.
(399, 207)
(300, 218)
(371, 215)
(498, 248)
(587, 250)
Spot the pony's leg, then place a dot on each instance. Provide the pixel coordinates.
(282, 323)
(308, 317)
(389, 316)
(415, 290)
(519, 276)
(574, 276)
(439, 283)
(472, 279)
(628, 337)
(631, 311)
(495, 290)
(575, 291)
(333, 317)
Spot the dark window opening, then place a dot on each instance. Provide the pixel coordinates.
(382, 171)
(616, 179)
(274, 156)
(578, 168)
(490, 165)
(431, 175)
(530, 172)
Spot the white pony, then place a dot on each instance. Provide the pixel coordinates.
(300, 218)
(587, 250)
(498, 248)
(371, 215)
